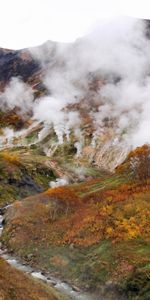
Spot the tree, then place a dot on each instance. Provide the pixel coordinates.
(140, 163)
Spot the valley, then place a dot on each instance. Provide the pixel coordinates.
(75, 168)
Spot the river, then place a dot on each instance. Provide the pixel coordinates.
(61, 286)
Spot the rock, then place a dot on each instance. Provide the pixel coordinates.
(51, 281)
(109, 283)
(11, 251)
(43, 273)
(76, 289)
(87, 287)
(30, 256)
(71, 247)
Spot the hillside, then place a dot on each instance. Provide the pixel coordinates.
(90, 233)
(75, 164)
(15, 285)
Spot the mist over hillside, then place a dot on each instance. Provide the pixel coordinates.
(75, 165)
(101, 81)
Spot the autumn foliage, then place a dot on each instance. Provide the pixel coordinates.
(14, 284)
(119, 214)
(98, 227)
(113, 208)
(137, 164)
(10, 158)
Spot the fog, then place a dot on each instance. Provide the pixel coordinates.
(118, 53)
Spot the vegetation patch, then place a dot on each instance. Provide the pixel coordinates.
(14, 285)
(92, 234)
(22, 173)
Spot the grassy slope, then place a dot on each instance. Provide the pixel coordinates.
(14, 285)
(97, 232)
(27, 171)
(23, 172)
(89, 233)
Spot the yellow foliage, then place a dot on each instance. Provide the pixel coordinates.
(11, 158)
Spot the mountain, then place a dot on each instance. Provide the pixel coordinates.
(75, 159)
(21, 65)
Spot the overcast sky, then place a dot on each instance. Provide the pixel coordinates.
(25, 23)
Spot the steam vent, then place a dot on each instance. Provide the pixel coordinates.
(75, 166)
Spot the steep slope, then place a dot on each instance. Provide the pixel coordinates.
(71, 114)
(17, 286)
(94, 234)
(23, 172)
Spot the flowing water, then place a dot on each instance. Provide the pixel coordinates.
(61, 286)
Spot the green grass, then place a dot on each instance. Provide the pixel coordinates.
(117, 260)
(105, 183)
(32, 165)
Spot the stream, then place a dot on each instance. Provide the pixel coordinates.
(61, 286)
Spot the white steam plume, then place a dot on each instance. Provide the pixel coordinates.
(50, 111)
(118, 54)
(17, 94)
(59, 182)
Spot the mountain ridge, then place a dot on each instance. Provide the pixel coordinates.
(71, 118)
